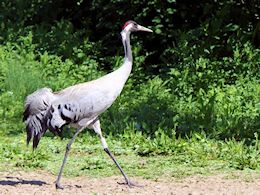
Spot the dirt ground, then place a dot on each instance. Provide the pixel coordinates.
(42, 183)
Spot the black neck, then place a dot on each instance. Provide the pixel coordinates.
(127, 47)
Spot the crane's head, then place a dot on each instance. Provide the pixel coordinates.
(131, 26)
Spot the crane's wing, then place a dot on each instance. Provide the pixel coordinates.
(78, 105)
(36, 106)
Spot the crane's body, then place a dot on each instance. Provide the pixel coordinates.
(79, 105)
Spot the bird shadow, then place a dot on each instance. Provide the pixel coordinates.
(12, 181)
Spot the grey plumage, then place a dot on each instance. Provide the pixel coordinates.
(35, 114)
(79, 105)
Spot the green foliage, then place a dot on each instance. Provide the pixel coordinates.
(23, 70)
(218, 97)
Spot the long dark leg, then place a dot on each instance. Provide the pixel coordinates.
(127, 180)
(57, 183)
(97, 129)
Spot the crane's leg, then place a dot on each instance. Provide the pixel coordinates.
(57, 182)
(97, 129)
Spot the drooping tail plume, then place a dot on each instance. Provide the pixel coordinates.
(34, 116)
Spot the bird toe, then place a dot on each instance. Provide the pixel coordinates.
(58, 186)
(130, 184)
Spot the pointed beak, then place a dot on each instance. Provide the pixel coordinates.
(142, 28)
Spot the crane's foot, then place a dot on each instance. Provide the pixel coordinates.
(58, 186)
(130, 184)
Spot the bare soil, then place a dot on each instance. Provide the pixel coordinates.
(41, 182)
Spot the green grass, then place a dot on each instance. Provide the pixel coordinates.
(197, 155)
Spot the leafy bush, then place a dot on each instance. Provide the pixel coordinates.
(23, 70)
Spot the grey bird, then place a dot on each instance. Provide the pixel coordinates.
(80, 105)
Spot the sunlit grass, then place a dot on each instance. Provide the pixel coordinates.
(198, 156)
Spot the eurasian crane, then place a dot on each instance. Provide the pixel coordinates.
(79, 105)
